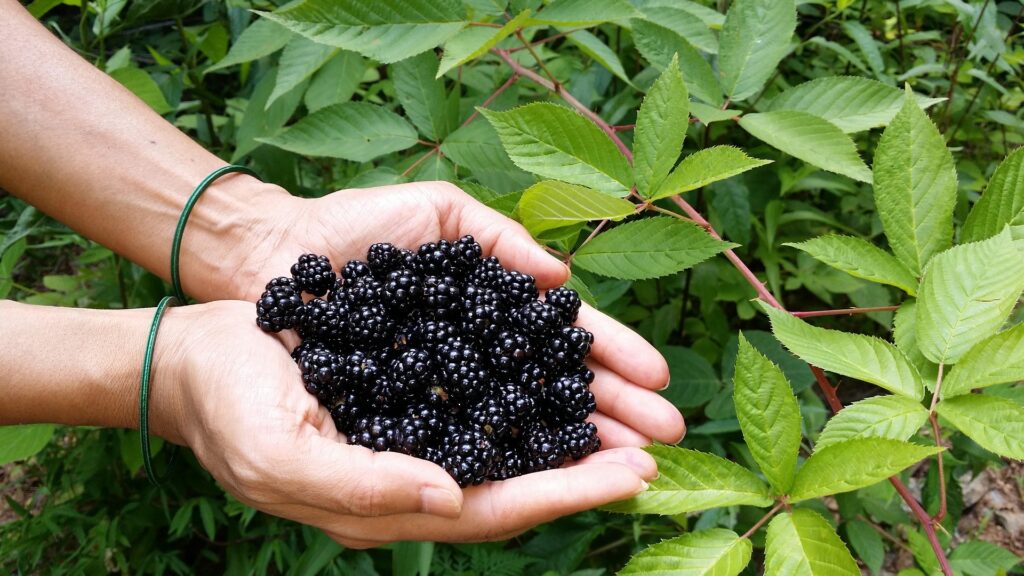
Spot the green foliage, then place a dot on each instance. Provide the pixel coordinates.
(809, 138)
(894, 417)
(860, 258)
(660, 129)
(855, 463)
(714, 552)
(802, 543)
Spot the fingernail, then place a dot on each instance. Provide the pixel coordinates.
(640, 463)
(643, 487)
(665, 387)
(440, 502)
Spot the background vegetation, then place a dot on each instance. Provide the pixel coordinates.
(250, 90)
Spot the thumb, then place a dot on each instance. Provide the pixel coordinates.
(353, 480)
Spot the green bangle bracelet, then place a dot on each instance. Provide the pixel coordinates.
(183, 219)
(147, 364)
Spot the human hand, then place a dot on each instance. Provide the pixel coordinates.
(342, 225)
(232, 393)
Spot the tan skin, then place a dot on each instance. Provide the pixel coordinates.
(87, 152)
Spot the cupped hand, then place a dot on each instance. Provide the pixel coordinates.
(342, 226)
(232, 393)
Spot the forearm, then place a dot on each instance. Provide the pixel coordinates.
(86, 151)
(79, 367)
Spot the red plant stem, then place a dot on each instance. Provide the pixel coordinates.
(762, 291)
(942, 476)
(546, 39)
(623, 127)
(490, 99)
(763, 519)
(420, 160)
(845, 311)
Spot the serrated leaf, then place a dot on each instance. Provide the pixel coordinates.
(299, 61)
(648, 248)
(690, 480)
(476, 146)
(474, 41)
(915, 187)
(1002, 203)
(20, 442)
(682, 22)
(714, 552)
(730, 201)
(140, 83)
(997, 424)
(658, 45)
(660, 129)
(966, 294)
(556, 142)
(769, 415)
(355, 131)
(904, 335)
(754, 39)
(892, 417)
(710, 114)
(998, 359)
(809, 138)
(851, 464)
(802, 543)
(385, 30)
(980, 558)
(336, 81)
(422, 96)
(694, 381)
(852, 103)
(261, 38)
(859, 258)
(260, 121)
(867, 543)
(574, 282)
(855, 355)
(583, 12)
(706, 166)
(596, 49)
(551, 204)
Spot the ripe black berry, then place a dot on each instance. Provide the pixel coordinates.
(370, 324)
(543, 450)
(320, 369)
(579, 438)
(568, 347)
(379, 433)
(383, 258)
(322, 320)
(402, 290)
(566, 301)
(537, 319)
(519, 288)
(488, 273)
(355, 269)
(414, 370)
(278, 307)
(441, 296)
(313, 274)
(569, 399)
(510, 350)
(467, 455)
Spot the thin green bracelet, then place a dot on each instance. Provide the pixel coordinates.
(147, 364)
(183, 219)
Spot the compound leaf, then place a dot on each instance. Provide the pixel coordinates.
(706, 166)
(893, 417)
(809, 138)
(851, 464)
(996, 424)
(860, 258)
(802, 543)
(754, 39)
(658, 45)
(714, 552)
(660, 129)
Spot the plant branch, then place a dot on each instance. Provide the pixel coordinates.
(546, 39)
(845, 311)
(941, 515)
(490, 99)
(420, 160)
(536, 57)
(960, 62)
(763, 519)
(926, 523)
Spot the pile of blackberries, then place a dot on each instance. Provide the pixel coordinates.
(441, 354)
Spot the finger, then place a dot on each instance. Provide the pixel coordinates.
(353, 480)
(624, 351)
(500, 236)
(639, 408)
(354, 543)
(615, 434)
(635, 458)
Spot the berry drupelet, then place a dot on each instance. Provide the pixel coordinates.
(313, 274)
(279, 306)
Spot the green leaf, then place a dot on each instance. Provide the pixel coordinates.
(709, 114)
(682, 22)
(809, 138)
(261, 38)
(472, 42)
(867, 543)
(355, 131)
(1001, 204)
(690, 480)
(336, 81)
(852, 103)
(476, 146)
(25, 441)
(260, 121)
(142, 85)
(299, 61)
(905, 336)
(892, 417)
(551, 204)
(423, 97)
(998, 359)
(858, 356)
(556, 142)
(693, 380)
(730, 201)
(754, 39)
(980, 558)
(706, 166)
(577, 284)
(915, 186)
(769, 415)
(385, 30)
(802, 543)
(967, 293)
(997, 424)
(658, 45)
(596, 49)
(851, 464)
(648, 248)
(660, 129)
(584, 12)
(714, 552)
(860, 258)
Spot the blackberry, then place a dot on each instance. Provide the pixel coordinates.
(568, 347)
(379, 433)
(355, 269)
(313, 274)
(441, 296)
(360, 369)
(418, 428)
(346, 409)
(579, 371)
(488, 273)
(509, 462)
(413, 370)
(402, 290)
(579, 438)
(532, 377)
(320, 369)
(305, 348)
(537, 319)
(467, 455)
(491, 416)
(482, 314)
(566, 301)
(569, 399)
(519, 288)
(543, 450)
(463, 254)
(510, 350)
(388, 392)
(363, 290)
(432, 259)
(370, 324)
(517, 403)
(432, 333)
(383, 258)
(322, 320)
(463, 369)
(279, 306)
